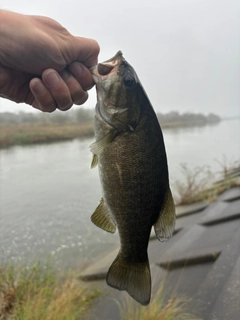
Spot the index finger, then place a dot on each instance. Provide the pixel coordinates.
(82, 74)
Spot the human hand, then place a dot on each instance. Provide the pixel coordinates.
(42, 64)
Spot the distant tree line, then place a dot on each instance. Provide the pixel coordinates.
(187, 118)
(80, 115)
(83, 116)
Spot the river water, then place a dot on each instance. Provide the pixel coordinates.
(48, 192)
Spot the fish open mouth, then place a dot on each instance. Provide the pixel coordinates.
(103, 69)
(116, 57)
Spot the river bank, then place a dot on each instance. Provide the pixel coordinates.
(34, 133)
(183, 268)
(42, 292)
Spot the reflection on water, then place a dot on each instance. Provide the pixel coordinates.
(48, 192)
(202, 146)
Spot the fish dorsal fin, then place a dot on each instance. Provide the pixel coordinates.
(98, 146)
(94, 162)
(102, 219)
(165, 223)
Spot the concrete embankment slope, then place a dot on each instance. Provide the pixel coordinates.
(201, 261)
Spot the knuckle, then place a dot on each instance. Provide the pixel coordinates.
(97, 47)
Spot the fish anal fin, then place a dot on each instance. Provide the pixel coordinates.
(102, 219)
(135, 278)
(165, 223)
(98, 146)
(94, 162)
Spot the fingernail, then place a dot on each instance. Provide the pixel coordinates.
(52, 79)
(38, 87)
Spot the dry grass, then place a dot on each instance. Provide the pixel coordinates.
(41, 133)
(198, 184)
(39, 292)
(210, 194)
(228, 167)
(173, 309)
(194, 181)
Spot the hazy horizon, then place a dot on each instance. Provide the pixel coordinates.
(186, 53)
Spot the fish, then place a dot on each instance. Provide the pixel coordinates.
(130, 154)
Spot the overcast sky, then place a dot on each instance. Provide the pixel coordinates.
(186, 52)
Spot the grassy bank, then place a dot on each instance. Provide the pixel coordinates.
(40, 292)
(30, 133)
(183, 124)
(28, 128)
(176, 308)
(199, 184)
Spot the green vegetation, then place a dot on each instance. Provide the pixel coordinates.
(38, 133)
(28, 128)
(173, 309)
(198, 183)
(40, 292)
(78, 116)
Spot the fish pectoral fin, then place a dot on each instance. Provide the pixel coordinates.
(135, 278)
(98, 146)
(165, 223)
(102, 219)
(94, 162)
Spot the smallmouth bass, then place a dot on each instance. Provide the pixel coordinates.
(130, 153)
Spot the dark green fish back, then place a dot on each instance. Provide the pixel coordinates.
(134, 180)
(131, 157)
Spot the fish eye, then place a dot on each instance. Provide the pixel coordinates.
(128, 81)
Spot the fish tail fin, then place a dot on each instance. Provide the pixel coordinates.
(135, 278)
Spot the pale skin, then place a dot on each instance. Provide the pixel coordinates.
(42, 64)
